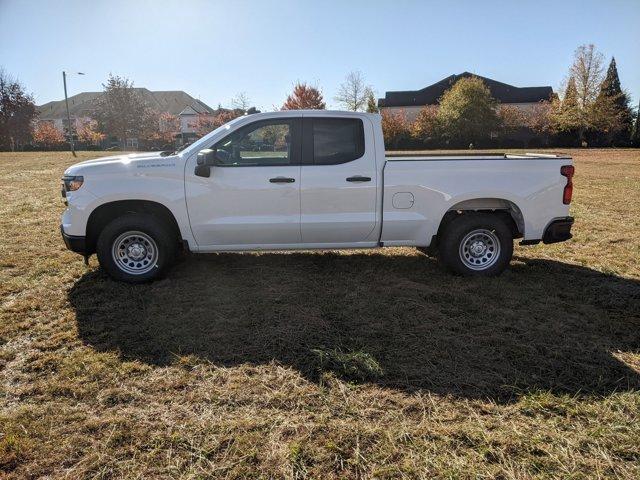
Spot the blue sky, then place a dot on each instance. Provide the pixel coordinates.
(215, 49)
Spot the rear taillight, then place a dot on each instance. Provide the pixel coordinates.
(567, 171)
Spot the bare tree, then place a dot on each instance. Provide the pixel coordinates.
(353, 93)
(241, 102)
(587, 71)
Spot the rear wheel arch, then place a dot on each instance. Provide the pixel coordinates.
(506, 209)
(104, 214)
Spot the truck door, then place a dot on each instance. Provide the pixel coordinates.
(252, 196)
(339, 181)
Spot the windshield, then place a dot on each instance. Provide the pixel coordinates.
(199, 144)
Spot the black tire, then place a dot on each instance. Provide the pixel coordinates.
(147, 236)
(488, 245)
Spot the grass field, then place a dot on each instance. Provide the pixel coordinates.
(364, 364)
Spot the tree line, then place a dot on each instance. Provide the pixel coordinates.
(121, 113)
(592, 110)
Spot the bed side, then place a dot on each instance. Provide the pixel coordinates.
(419, 191)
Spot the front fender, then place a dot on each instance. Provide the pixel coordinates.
(161, 183)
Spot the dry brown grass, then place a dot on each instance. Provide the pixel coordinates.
(367, 364)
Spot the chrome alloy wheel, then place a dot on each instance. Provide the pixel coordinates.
(135, 253)
(479, 249)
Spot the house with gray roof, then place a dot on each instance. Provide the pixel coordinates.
(174, 102)
(412, 101)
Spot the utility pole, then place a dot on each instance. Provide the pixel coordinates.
(66, 101)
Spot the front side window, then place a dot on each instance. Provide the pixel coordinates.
(264, 144)
(337, 140)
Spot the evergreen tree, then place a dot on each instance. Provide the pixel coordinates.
(567, 115)
(570, 109)
(611, 114)
(611, 84)
(372, 105)
(635, 138)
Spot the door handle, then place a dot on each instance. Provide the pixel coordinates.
(359, 178)
(282, 180)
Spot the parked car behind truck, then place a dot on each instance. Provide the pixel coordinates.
(328, 185)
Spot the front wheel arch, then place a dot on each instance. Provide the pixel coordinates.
(104, 214)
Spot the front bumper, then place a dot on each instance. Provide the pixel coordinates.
(558, 231)
(74, 243)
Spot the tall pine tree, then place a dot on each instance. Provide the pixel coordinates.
(372, 105)
(635, 138)
(611, 113)
(568, 116)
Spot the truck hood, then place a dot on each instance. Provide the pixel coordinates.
(116, 161)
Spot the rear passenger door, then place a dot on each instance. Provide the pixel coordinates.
(338, 181)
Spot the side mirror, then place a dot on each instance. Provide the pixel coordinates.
(204, 161)
(206, 157)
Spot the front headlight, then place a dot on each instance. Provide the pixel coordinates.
(71, 183)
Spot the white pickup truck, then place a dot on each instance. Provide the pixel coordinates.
(311, 180)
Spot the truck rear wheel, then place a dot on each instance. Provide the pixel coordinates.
(476, 244)
(135, 248)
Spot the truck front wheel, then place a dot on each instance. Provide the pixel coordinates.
(476, 244)
(135, 248)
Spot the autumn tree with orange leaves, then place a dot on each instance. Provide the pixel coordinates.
(511, 118)
(304, 97)
(47, 135)
(162, 128)
(539, 118)
(88, 132)
(206, 123)
(395, 128)
(425, 126)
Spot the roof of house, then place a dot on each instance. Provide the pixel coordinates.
(80, 105)
(430, 95)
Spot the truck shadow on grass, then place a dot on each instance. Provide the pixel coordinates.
(396, 320)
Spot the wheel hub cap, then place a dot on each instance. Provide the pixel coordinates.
(135, 253)
(479, 249)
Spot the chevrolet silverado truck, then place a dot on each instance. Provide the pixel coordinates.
(311, 180)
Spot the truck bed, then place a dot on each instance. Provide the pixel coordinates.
(420, 189)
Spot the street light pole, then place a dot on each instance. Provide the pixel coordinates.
(66, 101)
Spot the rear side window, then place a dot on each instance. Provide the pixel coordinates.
(337, 140)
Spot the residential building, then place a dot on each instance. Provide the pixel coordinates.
(412, 101)
(175, 102)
